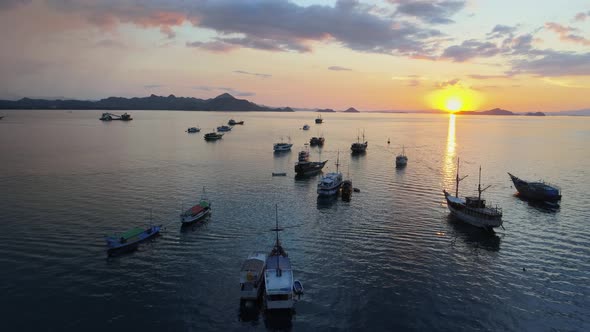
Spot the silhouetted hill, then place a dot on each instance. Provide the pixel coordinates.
(351, 110)
(495, 111)
(326, 110)
(223, 102)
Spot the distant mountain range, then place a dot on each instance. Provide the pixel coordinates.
(583, 112)
(499, 111)
(223, 102)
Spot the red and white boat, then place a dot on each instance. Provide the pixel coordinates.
(197, 212)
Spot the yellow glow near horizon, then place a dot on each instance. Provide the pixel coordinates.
(455, 98)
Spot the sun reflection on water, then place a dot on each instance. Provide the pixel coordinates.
(449, 163)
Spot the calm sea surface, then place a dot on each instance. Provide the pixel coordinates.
(391, 259)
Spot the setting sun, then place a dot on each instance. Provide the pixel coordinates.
(454, 98)
(453, 104)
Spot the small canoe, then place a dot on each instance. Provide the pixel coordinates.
(297, 287)
(279, 174)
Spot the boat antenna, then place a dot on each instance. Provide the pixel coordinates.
(479, 190)
(458, 179)
(363, 135)
(337, 161)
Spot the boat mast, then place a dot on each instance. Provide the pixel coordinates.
(277, 245)
(337, 161)
(458, 179)
(479, 190)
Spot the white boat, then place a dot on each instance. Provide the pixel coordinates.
(282, 146)
(473, 210)
(401, 160)
(330, 183)
(278, 277)
(251, 276)
(196, 212)
(305, 127)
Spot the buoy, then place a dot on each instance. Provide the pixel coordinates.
(357, 190)
(388, 141)
(523, 269)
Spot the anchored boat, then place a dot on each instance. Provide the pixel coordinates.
(304, 167)
(319, 119)
(193, 130)
(252, 275)
(223, 128)
(473, 210)
(359, 147)
(278, 276)
(401, 160)
(233, 122)
(213, 136)
(198, 212)
(130, 240)
(330, 183)
(282, 146)
(538, 190)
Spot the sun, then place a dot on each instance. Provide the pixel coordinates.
(453, 104)
(454, 99)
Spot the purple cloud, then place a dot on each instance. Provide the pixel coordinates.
(470, 49)
(554, 63)
(338, 68)
(429, 11)
(252, 74)
(11, 4)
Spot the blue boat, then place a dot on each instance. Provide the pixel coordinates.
(130, 240)
(297, 287)
(223, 128)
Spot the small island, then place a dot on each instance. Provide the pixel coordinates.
(535, 114)
(326, 110)
(495, 111)
(351, 110)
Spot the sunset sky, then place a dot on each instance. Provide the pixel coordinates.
(521, 55)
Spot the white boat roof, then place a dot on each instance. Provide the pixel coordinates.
(278, 284)
(456, 199)
(253, 264)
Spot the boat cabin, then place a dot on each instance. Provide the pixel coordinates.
(475, 202)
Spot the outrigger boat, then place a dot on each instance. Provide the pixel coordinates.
(197, 212)
(130, 240)
(538, 190)
(473, 210)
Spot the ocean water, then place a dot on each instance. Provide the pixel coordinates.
(390, 259)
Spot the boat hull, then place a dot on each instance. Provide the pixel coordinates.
(251, 293)
(535, 191)
(309, 168)
(466, 217)
(328, 191)
(187, 220)
(117, 248)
